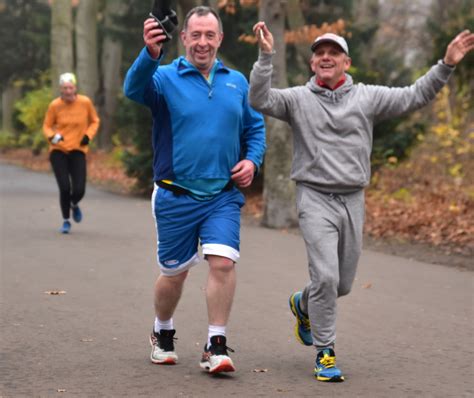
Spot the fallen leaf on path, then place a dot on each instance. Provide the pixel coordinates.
(260, 370)
(61, 390)
(367, 286)
(55, 292)
(87, 340)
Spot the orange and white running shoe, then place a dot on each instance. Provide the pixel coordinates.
(215, 359)
(162, 347)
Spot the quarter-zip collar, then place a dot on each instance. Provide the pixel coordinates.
(184, 66)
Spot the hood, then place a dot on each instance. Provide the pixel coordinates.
(327, 94)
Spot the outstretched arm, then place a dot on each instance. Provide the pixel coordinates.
(390, 102)
(459, 47)
(264, 98)
(138, 84)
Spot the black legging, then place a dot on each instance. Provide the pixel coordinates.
(70, 170)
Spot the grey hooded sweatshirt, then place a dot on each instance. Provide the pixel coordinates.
(332, 130)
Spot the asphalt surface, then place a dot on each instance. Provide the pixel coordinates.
(406, 329)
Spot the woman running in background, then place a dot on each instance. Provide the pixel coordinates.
(70, 123)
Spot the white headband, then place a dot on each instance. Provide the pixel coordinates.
(67, 78)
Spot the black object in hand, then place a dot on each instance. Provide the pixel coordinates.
(165, 16)
(85, 140)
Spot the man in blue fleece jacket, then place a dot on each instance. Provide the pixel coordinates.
(332, 121)
(206, 141)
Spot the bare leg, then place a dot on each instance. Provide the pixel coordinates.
(168, 291)
(220, 289)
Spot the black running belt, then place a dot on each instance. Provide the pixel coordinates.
(183, 191)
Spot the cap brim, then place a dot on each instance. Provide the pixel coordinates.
(313, 47)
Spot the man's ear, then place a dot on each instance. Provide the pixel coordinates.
(347, 63)
(311, 63)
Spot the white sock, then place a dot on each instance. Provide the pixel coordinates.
(165, 325)
(214, 331)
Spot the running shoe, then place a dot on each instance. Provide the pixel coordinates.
(215, 359)
(65, 228)
(162, 347)
(302, 327)
(76, 213)
(325, 368)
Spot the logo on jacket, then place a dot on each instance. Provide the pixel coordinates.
(232, 85)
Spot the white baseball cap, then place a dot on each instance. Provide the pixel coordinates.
(331, 38)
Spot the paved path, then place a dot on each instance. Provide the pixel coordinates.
(406, 330)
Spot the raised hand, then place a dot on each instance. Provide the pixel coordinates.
(459, 47)
(264, 37)
(153, 37)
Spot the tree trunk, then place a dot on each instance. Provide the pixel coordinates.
(279, 190)
(10, 95)
(296, 21)
(111, 78)
(86, 48)
(61, 41)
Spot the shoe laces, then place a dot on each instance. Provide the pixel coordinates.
(165, 339)
(306, 323)
(218, 346)
(327, 360)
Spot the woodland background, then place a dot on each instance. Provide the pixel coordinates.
(422, 187)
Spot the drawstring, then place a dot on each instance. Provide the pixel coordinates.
(339, 198)
(332, 95)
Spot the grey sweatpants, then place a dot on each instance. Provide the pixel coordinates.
(332, 226)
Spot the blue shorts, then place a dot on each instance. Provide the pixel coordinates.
(182, 221)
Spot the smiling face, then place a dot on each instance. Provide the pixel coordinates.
(68, 92)
(329, 63)
(202, 38)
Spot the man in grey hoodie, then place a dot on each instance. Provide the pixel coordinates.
(332, 121)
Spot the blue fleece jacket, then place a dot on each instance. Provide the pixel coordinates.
(201, 129)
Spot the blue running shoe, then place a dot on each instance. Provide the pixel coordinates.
(302, 327)
(66, 227)
(325, 368)
(76, 213)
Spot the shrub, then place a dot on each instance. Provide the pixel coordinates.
(7, 140)
(31, 110)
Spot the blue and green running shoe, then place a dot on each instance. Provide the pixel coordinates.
(66, 227)
(76, 213)
(302, 327)
(325, 368)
